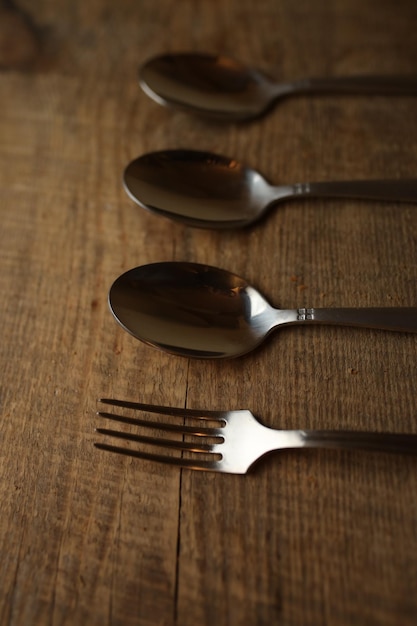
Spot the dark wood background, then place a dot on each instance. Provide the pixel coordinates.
(307, 538)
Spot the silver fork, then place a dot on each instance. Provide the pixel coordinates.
(231, 441)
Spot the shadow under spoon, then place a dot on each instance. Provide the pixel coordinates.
(199, 311)
(207, 190)
(221, 87)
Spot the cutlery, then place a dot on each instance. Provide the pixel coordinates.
(231, 441)
(199, 311)
(223, 88)
(211, 191)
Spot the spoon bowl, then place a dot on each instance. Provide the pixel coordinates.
(200, 189)
(190, 310)
(215, 86)
(199, 311)
(222, 88)
(206, 190)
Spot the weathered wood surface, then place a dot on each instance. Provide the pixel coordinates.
(306, 539)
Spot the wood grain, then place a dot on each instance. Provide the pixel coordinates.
(305, 539)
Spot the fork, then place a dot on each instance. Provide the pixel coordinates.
(231, 441)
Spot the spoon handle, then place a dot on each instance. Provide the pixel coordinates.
(384, 85)
(391, 318)
(396, 190)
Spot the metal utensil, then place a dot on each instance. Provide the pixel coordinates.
(211, 191)
(223, 88)
(230, 441)
(200, 311)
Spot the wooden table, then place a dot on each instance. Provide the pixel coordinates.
(87, 537)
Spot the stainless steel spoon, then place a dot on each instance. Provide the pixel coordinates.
(199, 311)
(211, 191)
(223, 88)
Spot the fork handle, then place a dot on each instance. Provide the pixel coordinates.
(379, 442)
(384, 85)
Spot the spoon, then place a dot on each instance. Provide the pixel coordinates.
(199, 311)
(223, 88)
(211, 191)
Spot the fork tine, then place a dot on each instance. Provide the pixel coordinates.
(190, 430)
(156, 441)
(165, 410)
(160, 458)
